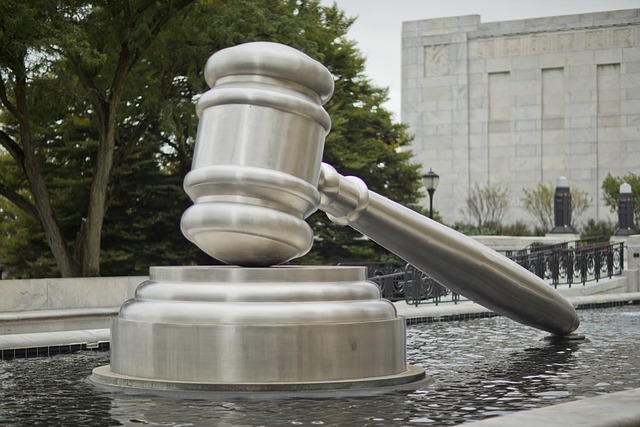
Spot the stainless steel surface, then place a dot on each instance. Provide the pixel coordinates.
(453, 259)
(257, 156)
(237, 325)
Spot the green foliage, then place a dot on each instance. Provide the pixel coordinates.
(75, 52)
(611, 192)
(23, 249)
(519, 228)
(602, 228)
(580, 202)
(539, 200)
(487, 205)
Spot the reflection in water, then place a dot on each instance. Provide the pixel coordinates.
(51, 392)
(479, 368)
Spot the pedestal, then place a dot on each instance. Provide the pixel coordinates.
(287, 329)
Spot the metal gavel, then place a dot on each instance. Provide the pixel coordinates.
(257, 174)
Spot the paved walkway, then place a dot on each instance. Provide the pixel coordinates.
(619, 409)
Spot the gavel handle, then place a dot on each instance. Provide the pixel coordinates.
(453, 259)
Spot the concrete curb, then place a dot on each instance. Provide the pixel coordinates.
(50, 343)
(618, 409)
(464, 310)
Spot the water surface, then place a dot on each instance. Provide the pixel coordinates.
(479, 368)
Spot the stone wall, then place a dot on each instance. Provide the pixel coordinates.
(61, 294)
(517, 103)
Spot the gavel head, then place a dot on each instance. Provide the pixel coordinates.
(258, 153)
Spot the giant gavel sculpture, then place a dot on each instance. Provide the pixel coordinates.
(256, 326)
(256, 172)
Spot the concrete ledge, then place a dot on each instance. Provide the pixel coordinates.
(619, 409)
(425, 313)
(67, 293)
(465, 310)
(613, 285)
(45, 339)
(516, 243)
(36, 321)
(594, 301)
(16, 316)
(52, 343)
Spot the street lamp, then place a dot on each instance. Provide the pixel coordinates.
(430, 181)
(562, 208)
(626, 226)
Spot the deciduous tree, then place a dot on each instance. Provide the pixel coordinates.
(98, 125)
(89, 48)
(538, 201)
(487, 205)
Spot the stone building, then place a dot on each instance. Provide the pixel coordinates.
(516, 103)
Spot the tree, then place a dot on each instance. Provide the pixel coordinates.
(89, 49)
(611, 192)
(487, 205)
(107, 118)
(580, 202)
(539, 202)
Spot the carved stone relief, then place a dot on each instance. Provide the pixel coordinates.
(436, 60)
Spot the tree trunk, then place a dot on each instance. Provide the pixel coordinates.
(98, 198)
(55, 239)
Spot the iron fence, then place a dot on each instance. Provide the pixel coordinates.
(573, 262)
(399, 282)
(564, 263)
(389, 276)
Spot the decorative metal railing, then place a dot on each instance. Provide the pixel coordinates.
(405, 282)
(421, 288)
(389, 276)
(573, 262)
(565, 263)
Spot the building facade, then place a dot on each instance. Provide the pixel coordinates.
(517, 103)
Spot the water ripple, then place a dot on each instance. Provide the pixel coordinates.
(481, 368)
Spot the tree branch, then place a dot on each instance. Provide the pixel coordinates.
(12, 147)
(94, 93)
(5, 100)
(19, 201)
(126, 149)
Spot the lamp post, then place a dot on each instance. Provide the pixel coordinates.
(626, 226)
(430, 181)
(562, 208)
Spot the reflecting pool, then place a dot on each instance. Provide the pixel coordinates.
(479, 368)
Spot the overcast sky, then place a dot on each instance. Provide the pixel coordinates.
(378, 28)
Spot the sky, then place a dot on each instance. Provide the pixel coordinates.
(378, 27)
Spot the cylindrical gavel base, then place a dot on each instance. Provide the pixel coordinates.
(293, 329)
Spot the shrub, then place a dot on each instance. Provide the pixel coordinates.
(595, 228)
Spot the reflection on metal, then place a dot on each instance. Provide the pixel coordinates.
(574, 262)
(256, 176)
